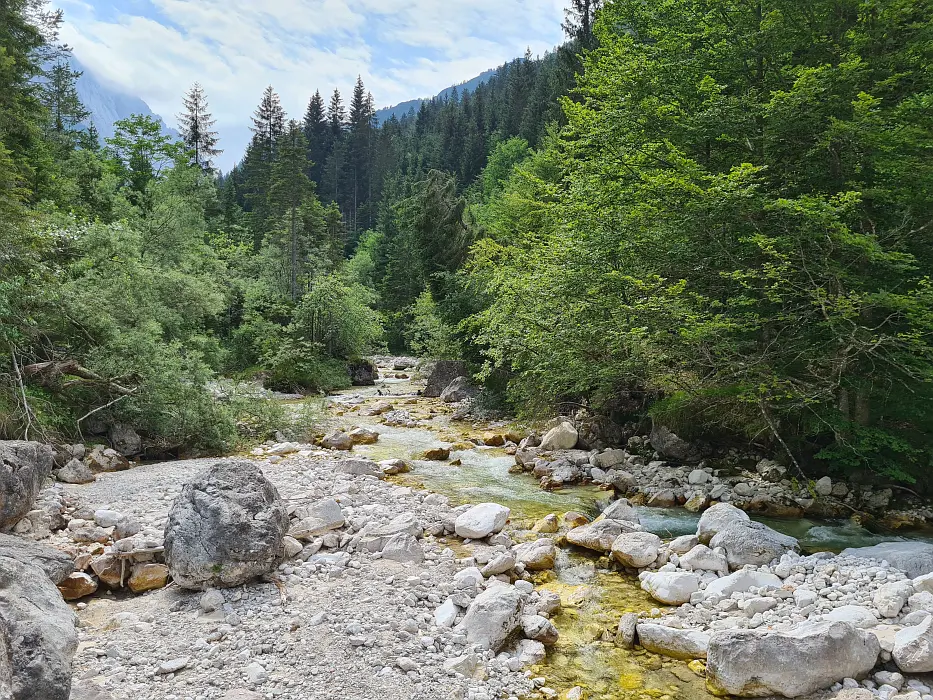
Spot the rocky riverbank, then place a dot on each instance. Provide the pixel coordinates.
(343, 581)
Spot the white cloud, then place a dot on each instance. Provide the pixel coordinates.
(402, 48)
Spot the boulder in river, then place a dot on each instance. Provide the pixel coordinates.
(599, 536)
(717, 518)
(622, 509)
(23, 468)
(561, 437)
(670, 587)
(442, 374)
(671, 446)
(225, 528)
(538, 555)
(362, 373)
(636, 549)
(805, 659)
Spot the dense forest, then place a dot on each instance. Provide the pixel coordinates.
(713, 213)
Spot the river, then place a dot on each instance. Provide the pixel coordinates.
(593, 597)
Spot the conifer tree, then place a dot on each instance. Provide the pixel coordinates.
(195, 125)
(579, 19)
(315, 128)
(60, 96)
(336, 120)
(268, 127)
(290, 187)
(268, 122)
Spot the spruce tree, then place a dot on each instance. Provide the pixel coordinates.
(336, 120)
(290, 187)
(268, 127)
(268, 122)
(316, 133)
(579, 19)
(195, 125)
(60, 96)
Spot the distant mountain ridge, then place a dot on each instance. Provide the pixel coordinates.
(403, 108)
(107, 105)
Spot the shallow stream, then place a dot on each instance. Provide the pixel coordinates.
(593, 597)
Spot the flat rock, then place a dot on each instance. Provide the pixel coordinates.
(743, 581)
(599, 536)
(670, 587)
(320, 517)
(359, 467)
(672, 642)
(916, 558)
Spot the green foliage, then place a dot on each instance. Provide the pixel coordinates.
(427, 333)
(736, 215)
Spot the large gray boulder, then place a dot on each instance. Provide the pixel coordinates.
(670, 446)
(443, 373)
(23, 468)
(75, 472)
(752, 543)
(460, 389)
(562, 436)
(225, 528)
(716, 518)
(810, 657)
(913, 648)
(636, 549)
(125, 440)
(56, 564)
(37, 635)
(916, 558)
(493, 617)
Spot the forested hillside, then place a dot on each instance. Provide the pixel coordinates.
(713, 212)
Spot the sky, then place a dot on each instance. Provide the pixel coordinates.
(403, 49)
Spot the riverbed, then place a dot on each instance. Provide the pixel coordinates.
(594, 596)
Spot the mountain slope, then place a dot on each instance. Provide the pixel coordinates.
(400, 110)
(107, 105)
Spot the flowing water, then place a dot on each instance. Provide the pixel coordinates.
(593, 597)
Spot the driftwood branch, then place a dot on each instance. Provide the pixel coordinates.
(47, 372)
